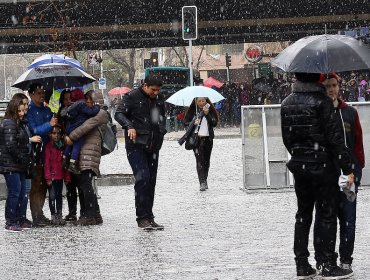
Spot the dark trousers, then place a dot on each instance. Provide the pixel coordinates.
(144, 166)
(73, 151)
(203, 158)
(317, 189)
(56, 197)
(38, 193)
(347, 224)
(88, 199)
(17, 198)
(72, 189)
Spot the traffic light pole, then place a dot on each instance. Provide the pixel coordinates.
(191, 62)
(228, 74)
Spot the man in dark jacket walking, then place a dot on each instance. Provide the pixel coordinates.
(142, 114)
(315, 142)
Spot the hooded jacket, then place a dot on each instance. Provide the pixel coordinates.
(348, 117)
(310, 131)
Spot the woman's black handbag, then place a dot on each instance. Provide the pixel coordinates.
(193, 140)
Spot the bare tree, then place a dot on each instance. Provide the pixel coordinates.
(126, 59)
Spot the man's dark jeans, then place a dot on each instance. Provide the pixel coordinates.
(347, 224)
(317, 189)
(144, 166)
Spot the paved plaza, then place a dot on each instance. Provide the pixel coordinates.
(223, 233)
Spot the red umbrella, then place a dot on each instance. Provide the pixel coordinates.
(212, 82)
(118, 91)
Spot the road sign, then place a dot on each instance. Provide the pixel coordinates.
(264, 69)
(102, 83)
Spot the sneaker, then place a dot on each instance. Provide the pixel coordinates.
(155, 225)
(73, 168)
(70, 218)
(98, 219)
(60, 220)
(41, 221)
(319, 269)
(347, 267)
(27, 224)
(334, 272)
(13, 228)
(306, 272)
(145, 224)
(84, 221)
(203, 187)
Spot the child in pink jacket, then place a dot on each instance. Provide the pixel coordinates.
(55, 174)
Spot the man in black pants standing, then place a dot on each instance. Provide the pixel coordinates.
(142, 114)
(315, 141)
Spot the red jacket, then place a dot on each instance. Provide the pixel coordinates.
(53, 164)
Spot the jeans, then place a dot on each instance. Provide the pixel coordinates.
(347, 224)
(88, 199)
(73, 151)
(144, 166)
(16, 202)
(56, 197)
(203, 158)
(320, 190)
(38, 193)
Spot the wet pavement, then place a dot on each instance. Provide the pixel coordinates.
(223, 233)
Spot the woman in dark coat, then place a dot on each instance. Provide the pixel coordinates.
(207, 119)
(15, 161)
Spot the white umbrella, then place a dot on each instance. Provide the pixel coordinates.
(185, 96)
(52, 76)
(55, 58)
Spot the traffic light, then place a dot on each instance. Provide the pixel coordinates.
(228, 60)
(154, 59)
(189, 23)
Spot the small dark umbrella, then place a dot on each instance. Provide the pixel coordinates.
(264, 84)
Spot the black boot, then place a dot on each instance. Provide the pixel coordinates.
(304, 269)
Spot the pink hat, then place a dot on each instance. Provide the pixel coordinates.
(76, 95)
(363, 83)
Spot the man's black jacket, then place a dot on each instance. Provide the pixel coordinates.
(309, 129)
(146, 115)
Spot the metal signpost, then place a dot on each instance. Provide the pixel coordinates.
(190, 31)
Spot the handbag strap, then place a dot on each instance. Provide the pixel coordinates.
(199, 125)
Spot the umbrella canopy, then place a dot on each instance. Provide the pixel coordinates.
(209, 82)
(324, 54)
(119, 91)
(55, 58)
(264, 84)
(53, 76)
(185, 96)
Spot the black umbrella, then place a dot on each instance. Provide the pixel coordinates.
(264, 84)
(324, 54)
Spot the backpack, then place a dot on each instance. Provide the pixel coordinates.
(108, 138)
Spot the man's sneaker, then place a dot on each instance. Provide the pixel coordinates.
(319, 268)
(145, 224)
(41, 221)
(13, 228)
(155, 225)
(84, 221)
(203, 187)
(347, 267)
(334, 272)
(26, 224)
(60, 220)
(306, 272)
(70, 218)
(98, 219)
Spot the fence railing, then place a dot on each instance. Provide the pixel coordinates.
(264, 155)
